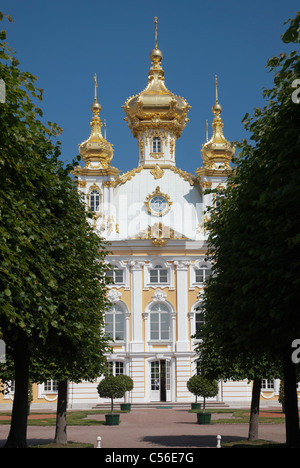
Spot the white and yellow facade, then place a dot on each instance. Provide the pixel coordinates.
(154, 219)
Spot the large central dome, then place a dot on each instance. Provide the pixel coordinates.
(156, 103)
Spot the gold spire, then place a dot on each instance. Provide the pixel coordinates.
(155, 33)
(217, 152)
(96, 148)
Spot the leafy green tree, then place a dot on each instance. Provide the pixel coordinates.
(252, 300)
(51, 262)
(112, 387)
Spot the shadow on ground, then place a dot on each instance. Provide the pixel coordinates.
(189, 440)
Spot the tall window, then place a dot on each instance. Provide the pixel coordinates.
(115, 323)
(159, 322)
(202, 274)
(158, 275)
(156, 145)
(95, 200)
(199, 322)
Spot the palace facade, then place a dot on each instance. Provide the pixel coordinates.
(154, 219)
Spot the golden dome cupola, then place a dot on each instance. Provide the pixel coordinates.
(217, 153)
(156, 113)
(96, 150)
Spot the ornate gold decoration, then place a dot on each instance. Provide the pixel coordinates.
(81, 183)
(205, 184)
(217, 152)
(157, 172)
(96, 148)
(158, 193)
(159, 242)
(185, 175)
(156, 104)
(159, 231)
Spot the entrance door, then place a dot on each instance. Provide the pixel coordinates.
(160, 380)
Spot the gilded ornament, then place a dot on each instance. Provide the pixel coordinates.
(158, 203)
(157, 172)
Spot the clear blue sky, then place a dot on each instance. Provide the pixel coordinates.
(64, 43)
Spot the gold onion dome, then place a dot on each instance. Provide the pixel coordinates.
(156, 103)
(217, 149)
(96, 148)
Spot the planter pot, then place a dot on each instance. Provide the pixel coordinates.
(125, 406)
(203, 418)
(196, 406)
(112, 419)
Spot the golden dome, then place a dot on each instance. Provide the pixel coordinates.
(96, 148)
(217, 152)
(156, 103)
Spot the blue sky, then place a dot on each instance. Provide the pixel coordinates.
(64, 43)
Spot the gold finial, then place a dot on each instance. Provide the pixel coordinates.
(104, 129)
(207, 130)
(155, 26)
(96, 86)
(217, 108)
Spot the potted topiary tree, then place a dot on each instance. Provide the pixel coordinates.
(128, 382)
(207, 389)
(112, 387)
(194, 386)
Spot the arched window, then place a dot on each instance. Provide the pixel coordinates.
(199, 322)
(202, 274)
(95, 200)
(158, 274)
(115, 323)
(159, 322)
(156, 145)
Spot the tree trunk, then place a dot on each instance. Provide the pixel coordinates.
(291, 402)
(254, 413)
(61, 413)
(18, 428)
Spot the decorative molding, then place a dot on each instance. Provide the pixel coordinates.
(114, 296)
(159, 295)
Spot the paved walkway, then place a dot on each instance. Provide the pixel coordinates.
(152, 429)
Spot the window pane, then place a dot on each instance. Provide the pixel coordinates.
(199, 276)
(156, 145)
(95, 200)
(153, 276)
(118, 276)
(163, 276)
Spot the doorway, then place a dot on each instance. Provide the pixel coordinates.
(160, 380)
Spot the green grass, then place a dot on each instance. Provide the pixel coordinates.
(74, 418)
(239, 416)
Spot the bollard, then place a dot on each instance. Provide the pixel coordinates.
(219, 441)
(98, 442)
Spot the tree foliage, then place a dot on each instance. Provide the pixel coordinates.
(52, 271)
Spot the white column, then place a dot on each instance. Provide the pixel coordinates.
(183, 342)
(137, 343)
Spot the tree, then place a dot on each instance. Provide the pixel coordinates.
(254, 236)
(202, 386)
(51, 261)
(112, 387)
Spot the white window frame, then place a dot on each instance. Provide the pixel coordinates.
(120, 265)
(198, 265)
(163, 310)
(114, 332)
(165, 265)
(156, 144)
